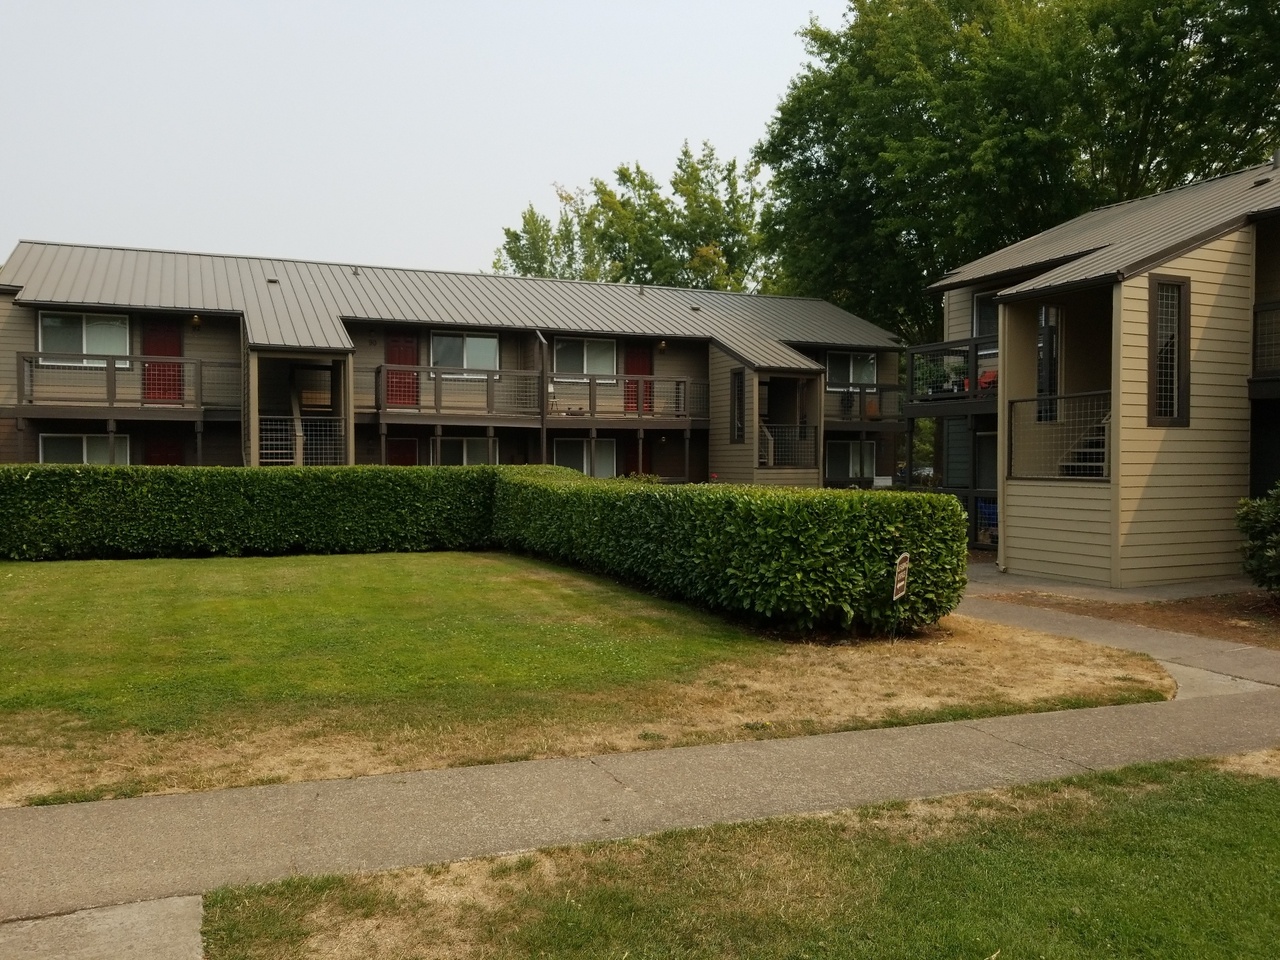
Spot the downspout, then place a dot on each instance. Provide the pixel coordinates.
(542, 390)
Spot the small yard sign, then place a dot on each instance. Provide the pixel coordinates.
(900, 577)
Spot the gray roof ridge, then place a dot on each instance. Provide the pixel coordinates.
(455, 273)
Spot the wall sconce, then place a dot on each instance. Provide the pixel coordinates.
(662, 346)
(195, 321)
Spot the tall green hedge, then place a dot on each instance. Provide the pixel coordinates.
(801, 558)
(1259, 521)
(794, 558)
(66, 512)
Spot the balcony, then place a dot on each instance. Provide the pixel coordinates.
(788, 445)
(1065, 437)
(627, 397)
(446, 391)
(960, 370)
(158, 385)
(864, 403)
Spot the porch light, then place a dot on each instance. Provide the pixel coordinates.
(662, 346)
(195, 321)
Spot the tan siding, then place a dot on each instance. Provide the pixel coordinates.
(17, 335)
(730, 462)
(17, 446)
(682, 358)
(788, 477)
(217, 339)
(221, 445)
(957, 316)
(1179, 486)
(1058, 529)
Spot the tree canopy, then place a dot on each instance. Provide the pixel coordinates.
(930, 132)
(704, 232)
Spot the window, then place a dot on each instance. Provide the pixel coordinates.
(574, 355)
(81, 333)
(1168, 360)
(847, 370)
(82, 448)
(464, 351)
(463, 451)
(576, 454)
(986, 315)
(851, 459)
(737, 406)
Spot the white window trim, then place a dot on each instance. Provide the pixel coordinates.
(83, 362)
(84, 438)
(489, 449)
(861, 446)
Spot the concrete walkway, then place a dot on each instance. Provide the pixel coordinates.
(61, 859)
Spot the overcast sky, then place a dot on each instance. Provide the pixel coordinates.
(405, 134)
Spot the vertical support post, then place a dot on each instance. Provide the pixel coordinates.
(111, 382)
(382, 441)
(198, 386)
(251, 420)
(591, 460)
(688, 465)
(347, 367)
(437, 385)
(493, 443)
(111, 435)
(640, 451)
(435, 444)
(591, 395)
(488, 391)
(199, 443)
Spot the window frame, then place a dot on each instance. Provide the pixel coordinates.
(84, 361)
(1181, 416)
(861, 446)
(586, 454)
(979, 299)
(84, 447)
(851, 385)
(466, 441)
(480, 372)
(583, 375)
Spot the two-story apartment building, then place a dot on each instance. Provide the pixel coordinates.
(113, 355)
(1109, 389)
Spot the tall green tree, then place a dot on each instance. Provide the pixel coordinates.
(929, 132)
(704, 231)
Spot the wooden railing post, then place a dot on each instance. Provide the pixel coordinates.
(199, 384)
(591, 397)
(489, 391)
(111, 382)
(438, 389)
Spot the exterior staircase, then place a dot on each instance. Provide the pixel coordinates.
(1087, 457)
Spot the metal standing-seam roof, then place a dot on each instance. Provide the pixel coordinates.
(294, 304)
(1115, 242)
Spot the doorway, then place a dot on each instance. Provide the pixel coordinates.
(161, 382)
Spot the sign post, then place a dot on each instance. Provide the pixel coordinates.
(900, 577)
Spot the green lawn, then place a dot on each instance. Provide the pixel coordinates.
(166, 645)
(1170, 861)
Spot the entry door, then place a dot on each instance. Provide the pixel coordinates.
(637, 360)
(402, 385)
(161, 382)
(402, 452)
(163, 452)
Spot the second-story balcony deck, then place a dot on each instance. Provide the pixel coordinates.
(864, 405)
(93, 385)
(964, 371)
(446, 392)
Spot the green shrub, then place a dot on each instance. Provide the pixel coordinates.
(1259, 521)
(795, 558)
(77, 512)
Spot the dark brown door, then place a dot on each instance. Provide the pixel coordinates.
(402, 452)
(637, 360)
(402, 385)
(163, 452)
(161, 382)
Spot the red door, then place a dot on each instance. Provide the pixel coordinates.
(402, 385)
(637, 360)
(163, 452)
(402, 452)
(161, 382)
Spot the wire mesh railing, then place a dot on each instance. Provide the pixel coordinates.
(86, 379)
(1266, 341)
(864, 403)
(954, 370)
(301, 441)
(788, 445)
(1064, 437)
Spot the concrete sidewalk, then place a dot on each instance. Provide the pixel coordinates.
(54, 860)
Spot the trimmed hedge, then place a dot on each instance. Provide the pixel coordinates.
(800, 558)
(73, 512)
(792, 558)
(1259, 521)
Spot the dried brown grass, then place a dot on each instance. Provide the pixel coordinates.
(1258, 763)
(802, 689)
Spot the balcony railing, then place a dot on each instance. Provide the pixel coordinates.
(958, 370)
(521, 393)
(863, 403)
(127, 381)
(788, 445)
(1065, 437)
(301, 441)
(624, 397)
(1266, 341)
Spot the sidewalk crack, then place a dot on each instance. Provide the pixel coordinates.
(1083, 767)
(610, 774)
